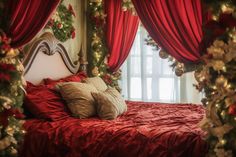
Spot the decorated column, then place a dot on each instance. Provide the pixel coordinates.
(11, 97)
(97, 48)
(217, 78)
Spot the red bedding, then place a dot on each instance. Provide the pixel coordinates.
(146, 129)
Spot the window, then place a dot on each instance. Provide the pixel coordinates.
(147, 77)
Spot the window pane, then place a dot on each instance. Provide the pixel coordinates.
(135, 88)
(136, 48)
(149, 50)
(149, 65)
(148, 74)
(166, 67)
(166, 89)
(124, 80)
(149, 88)
(135, 66)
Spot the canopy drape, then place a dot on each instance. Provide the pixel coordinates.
(23, 19)
(175, 25)
(121, 28)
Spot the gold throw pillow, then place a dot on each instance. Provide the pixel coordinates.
(79, 99)
(97, 82)
(109, 104)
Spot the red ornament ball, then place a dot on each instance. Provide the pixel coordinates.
(232, 109)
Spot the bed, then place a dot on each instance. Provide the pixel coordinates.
(145, 130)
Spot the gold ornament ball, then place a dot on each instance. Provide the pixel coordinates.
(179, 72)
(163, 54)
(180, 65)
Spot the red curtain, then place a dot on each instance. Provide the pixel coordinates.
(26, 18)
(176, 25)
(121, 28)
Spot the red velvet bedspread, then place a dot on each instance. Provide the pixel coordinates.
(147, 129)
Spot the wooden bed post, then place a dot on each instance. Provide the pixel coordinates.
(82, 60)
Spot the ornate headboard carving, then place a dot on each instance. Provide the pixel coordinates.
(47, 57)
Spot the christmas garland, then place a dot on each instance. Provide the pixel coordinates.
(178, 67)
(217, 78)
(11, 97)
(127, 5)
(61, 23)
(98, 49)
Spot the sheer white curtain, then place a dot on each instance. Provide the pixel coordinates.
(147, 77)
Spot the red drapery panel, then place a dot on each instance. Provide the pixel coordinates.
(26, 18)
(121, 28)
(176, 25)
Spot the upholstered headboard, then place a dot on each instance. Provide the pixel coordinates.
(47, 57)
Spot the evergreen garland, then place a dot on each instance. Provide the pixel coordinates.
(98, 48)
(61, 23)
(11, 98)
(217, 78)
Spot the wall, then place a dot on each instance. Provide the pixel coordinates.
(75, 45)
(189, 93)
